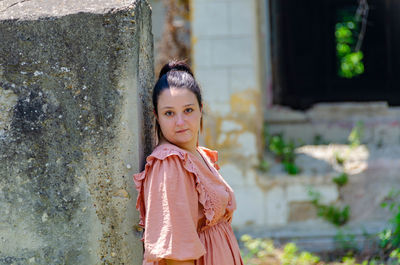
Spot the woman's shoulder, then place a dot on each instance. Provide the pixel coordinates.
(212, 154)
(166, 157)
(165, 150)
(171, 156)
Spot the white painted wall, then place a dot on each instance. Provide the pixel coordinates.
(227, 60)
(224, 47)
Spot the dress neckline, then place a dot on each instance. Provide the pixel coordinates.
(194, 158)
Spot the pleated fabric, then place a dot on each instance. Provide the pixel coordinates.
(186, 209)
(221, 245)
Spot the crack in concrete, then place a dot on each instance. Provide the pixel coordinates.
(19, 2)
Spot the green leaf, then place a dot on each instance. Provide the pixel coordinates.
(341, 180)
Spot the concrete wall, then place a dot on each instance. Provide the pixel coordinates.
(74, 83)
(334, 122)
(230, 41)
(226, 60)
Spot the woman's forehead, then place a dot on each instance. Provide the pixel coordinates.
(176, 97)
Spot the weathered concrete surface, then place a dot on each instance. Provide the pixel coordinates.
(284, 210)
(238, 96)
(17, 9)
(74, 82)
(333, 122)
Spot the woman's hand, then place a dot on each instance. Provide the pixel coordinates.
(177, 262)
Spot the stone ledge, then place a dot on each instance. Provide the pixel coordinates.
(33, 9)
(328, 112)
(316, 236)
(280, 114)
(347, 110)
(266, 181)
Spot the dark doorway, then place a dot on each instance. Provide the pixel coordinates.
(304, 61)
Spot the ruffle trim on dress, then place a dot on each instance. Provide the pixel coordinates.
(163, 152)
(213, 155)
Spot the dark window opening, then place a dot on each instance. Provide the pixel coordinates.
(304, 59)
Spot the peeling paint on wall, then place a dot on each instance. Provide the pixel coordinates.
(235, 134)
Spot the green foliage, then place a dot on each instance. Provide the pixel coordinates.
(352, 261)
(395, 254)
(256, 248)
(341, 180)
(350, 60)
(263, 165)
(345, 241)
(281, 149)
(259, 250)
(319, 140)
(351, 64)
(349, 260)
(291, 255)
(291, 168)
(385, 237)
(339, 159)
(390, 237)
(285, 152)
(371, 262)
(335, 215)
(265, 134)
(356, 134)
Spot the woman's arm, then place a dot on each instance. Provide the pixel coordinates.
(171, 213)
(177, 262)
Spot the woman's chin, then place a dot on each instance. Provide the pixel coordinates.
(182, 141)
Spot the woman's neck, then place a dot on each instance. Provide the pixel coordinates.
(190, 148)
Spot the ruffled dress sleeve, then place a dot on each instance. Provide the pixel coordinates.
(212, 155)
(168, 204)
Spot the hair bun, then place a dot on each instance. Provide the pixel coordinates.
(175, 66)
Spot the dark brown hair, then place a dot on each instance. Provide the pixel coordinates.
(175, 74)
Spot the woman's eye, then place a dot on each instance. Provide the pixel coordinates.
(168, 113)
(188, 110)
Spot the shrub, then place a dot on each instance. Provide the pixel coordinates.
(333, 214)
(285, 152)
(341, 180)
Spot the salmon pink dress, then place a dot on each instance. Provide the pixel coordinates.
(186, 209)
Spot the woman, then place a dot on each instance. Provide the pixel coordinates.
(185, 205)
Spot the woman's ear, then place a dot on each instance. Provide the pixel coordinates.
(155, 114)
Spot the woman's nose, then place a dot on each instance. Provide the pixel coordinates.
(179, 120)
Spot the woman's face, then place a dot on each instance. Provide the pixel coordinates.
(179, 116)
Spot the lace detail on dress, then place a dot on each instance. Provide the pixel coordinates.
(231, 207)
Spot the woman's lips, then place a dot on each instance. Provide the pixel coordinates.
(181, 131)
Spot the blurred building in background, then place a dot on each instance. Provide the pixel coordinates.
(323, 75)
